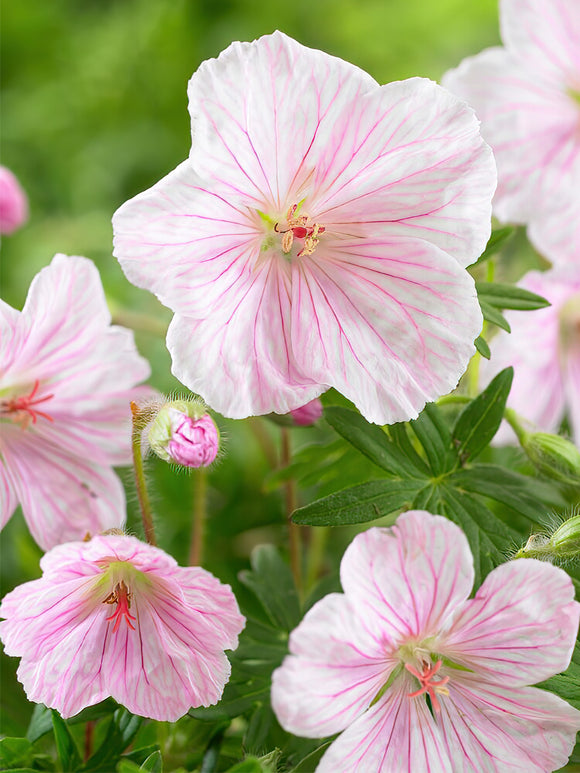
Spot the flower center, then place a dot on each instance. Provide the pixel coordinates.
(120, 596)
(22, 409)
(427, 685)
(299, 226)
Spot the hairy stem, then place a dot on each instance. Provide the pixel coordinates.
(139, 421)
(199, 516)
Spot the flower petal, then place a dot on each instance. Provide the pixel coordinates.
(405, 581)
(333, 674)
(497, 729)
(8, 495)
(556, 234)
(521, 626)
(378, 320)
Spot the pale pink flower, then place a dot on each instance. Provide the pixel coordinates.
(66, 380)
(316, 236)
(307, 414)
(544, 350)
(117, 617)
(13, 202)
(364, 662)
(527, 96)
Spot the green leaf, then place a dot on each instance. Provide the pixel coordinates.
(496, 241)
(491, 314)
(371, 441)
(506, 296)
(433, 434)
(309, 763)
(14, 752)
(400, 436)
(121, 732)
(249, 765)
(153, 763)
(480, 419)
(359, 504)
(482, 347)
(138, 756)
(126, 766)
(40, 723)
(272, 582)
(427, 499)
(66, 748)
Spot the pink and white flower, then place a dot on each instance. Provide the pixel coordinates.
(363, 663)
(528, 98)
(117, 617)
(13, 202)
(316, 236)
(66, 380)
(544, 350)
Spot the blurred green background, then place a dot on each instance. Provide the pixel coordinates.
(94, 110)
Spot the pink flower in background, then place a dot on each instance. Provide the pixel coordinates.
(527, 96)
(117, 617)
(316, 236)
(307, 414)
(544, 349)
(363, 663)
(13, 202)
(66, 380)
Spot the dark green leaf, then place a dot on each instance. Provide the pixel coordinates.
(249, 765)
(496, 241)
(153, 763)
(40, 723)
(506, 296)
(359, 504)
(480, 419)
(138, 756)
(14, 752)
(126, 766)
(433, 434)
(272, 582)
(482, 347)
(491, 314)
(370, 440)
(121, 731)
(66, 748)
(309, 763)
(400, 436)
(258, 728)
(427, 499)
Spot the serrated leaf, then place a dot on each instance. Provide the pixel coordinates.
(482, 347)
(359, 504)
(496, 241)
(272, 582)
(506, 296)
(122, 730)
(66, 748)
(491, 314)
(371, 441)
(480, 419)
(433, 434)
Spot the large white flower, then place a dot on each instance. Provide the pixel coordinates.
(316, 236)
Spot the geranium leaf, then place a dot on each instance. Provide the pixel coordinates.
(121, 732)
(272, 582)
(491, 314)
(482, 347)
(506, 296)
(496, 241)
(65, 746)
(433, 434)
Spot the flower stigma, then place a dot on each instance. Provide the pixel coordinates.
(425, 677)
(300, 227)
(21, 409)
(120, 596)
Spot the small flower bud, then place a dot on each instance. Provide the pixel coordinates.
(183, 432)
(554, 456)
(13, 202)
(307, 414)
(561, 546)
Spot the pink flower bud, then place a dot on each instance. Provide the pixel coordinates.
(307, 414)
(13, 202)
(183, 432)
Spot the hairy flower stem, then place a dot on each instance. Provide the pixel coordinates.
(199, 516)
(293, 530)
(140, 419)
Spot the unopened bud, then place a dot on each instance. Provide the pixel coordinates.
(561, 546)
(307, 414)
(13, 202)
(183, 432)
(554, 456)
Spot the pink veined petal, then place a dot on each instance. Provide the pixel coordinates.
(409, 156)
(544, 34)
(406, 581)
(8, 495)
(493, 729)
(240, 358)
(10, 338)
(333, 674)
(396, 735)
(521, 626)
(531, 126)
(384, 323)
(70, 496)
(259, 109)
(556, 234)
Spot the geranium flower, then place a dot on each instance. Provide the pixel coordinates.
(117, 617)
(528, 98)
(544, 349)
(66, 380)
(13, 202)
(316, 236)
(417, 676)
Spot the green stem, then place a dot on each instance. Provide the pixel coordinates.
(199, 517)
(475, 362)
(514, 421)
(139, 422)
(452, 399)
(315, 556)
(141, 323)
(293, 530)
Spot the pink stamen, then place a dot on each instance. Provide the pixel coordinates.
(427, 686)
(122, 598)
(23, 405)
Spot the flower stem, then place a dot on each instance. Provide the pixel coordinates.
(89, 731)
(199, 516)
(139, 421)
(293, 530)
